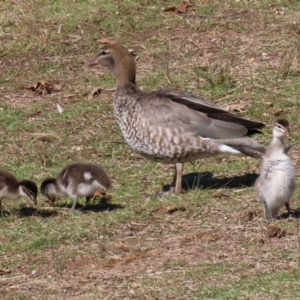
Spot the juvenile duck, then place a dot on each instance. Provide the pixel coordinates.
(173, 126)
(11, 188)
(76, 180)
(276, 183)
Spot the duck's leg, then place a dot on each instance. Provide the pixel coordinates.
(178, 177)
(177, 180)
(74, 204)
(267, 213)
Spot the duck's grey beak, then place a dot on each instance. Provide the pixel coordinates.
(94, 62)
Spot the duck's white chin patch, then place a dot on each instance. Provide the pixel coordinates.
(229, 150)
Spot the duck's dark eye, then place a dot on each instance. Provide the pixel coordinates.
(103, 52)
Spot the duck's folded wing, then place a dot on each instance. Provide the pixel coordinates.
(193, 115)
(190, 100)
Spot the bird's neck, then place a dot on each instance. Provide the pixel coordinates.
(276, 148)
(124, 71)
(125, 96)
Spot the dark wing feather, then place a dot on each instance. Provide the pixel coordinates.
(190, 100)
(193, 115)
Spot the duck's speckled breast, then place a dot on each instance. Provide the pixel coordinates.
(163, 144)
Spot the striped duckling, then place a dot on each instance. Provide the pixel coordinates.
(11, 188)
(76, 180)
(276, 183)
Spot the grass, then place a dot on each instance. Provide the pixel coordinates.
(210, 243)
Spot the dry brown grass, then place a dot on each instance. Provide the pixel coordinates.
(162, 250)
(208, 243)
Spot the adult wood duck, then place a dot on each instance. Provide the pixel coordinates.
(11, 188)
(276, 183)
(173, 126)
(76, 180)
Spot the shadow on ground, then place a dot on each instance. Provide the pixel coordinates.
(47, 212)
(206, 180)
(101, 204)
(295, 213)
(104, 205)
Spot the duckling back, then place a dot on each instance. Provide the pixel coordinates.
(82, 179)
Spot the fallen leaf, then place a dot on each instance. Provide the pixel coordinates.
(274, 231)
(71, 96)
(279, 112)
(251, 60)
(106, 41)
(269, 103)
(248, 215)
(189, 238)
(124, 248)
(172, 8)
(57, 87)
(212, 238)
(3, 272)
(182, 8)
(94, 93)
(44, 87)
(35, 115)
(218, 194)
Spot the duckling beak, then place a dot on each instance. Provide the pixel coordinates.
(50, 201)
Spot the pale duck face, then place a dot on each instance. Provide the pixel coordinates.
(280, 131)
(51, 192)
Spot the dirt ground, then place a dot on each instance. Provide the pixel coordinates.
(174, 251)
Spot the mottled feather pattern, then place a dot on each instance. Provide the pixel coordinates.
(164, 144)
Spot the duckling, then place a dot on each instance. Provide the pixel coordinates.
(173, 126)
(11, 188)
(276, 183)
(76, 180)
